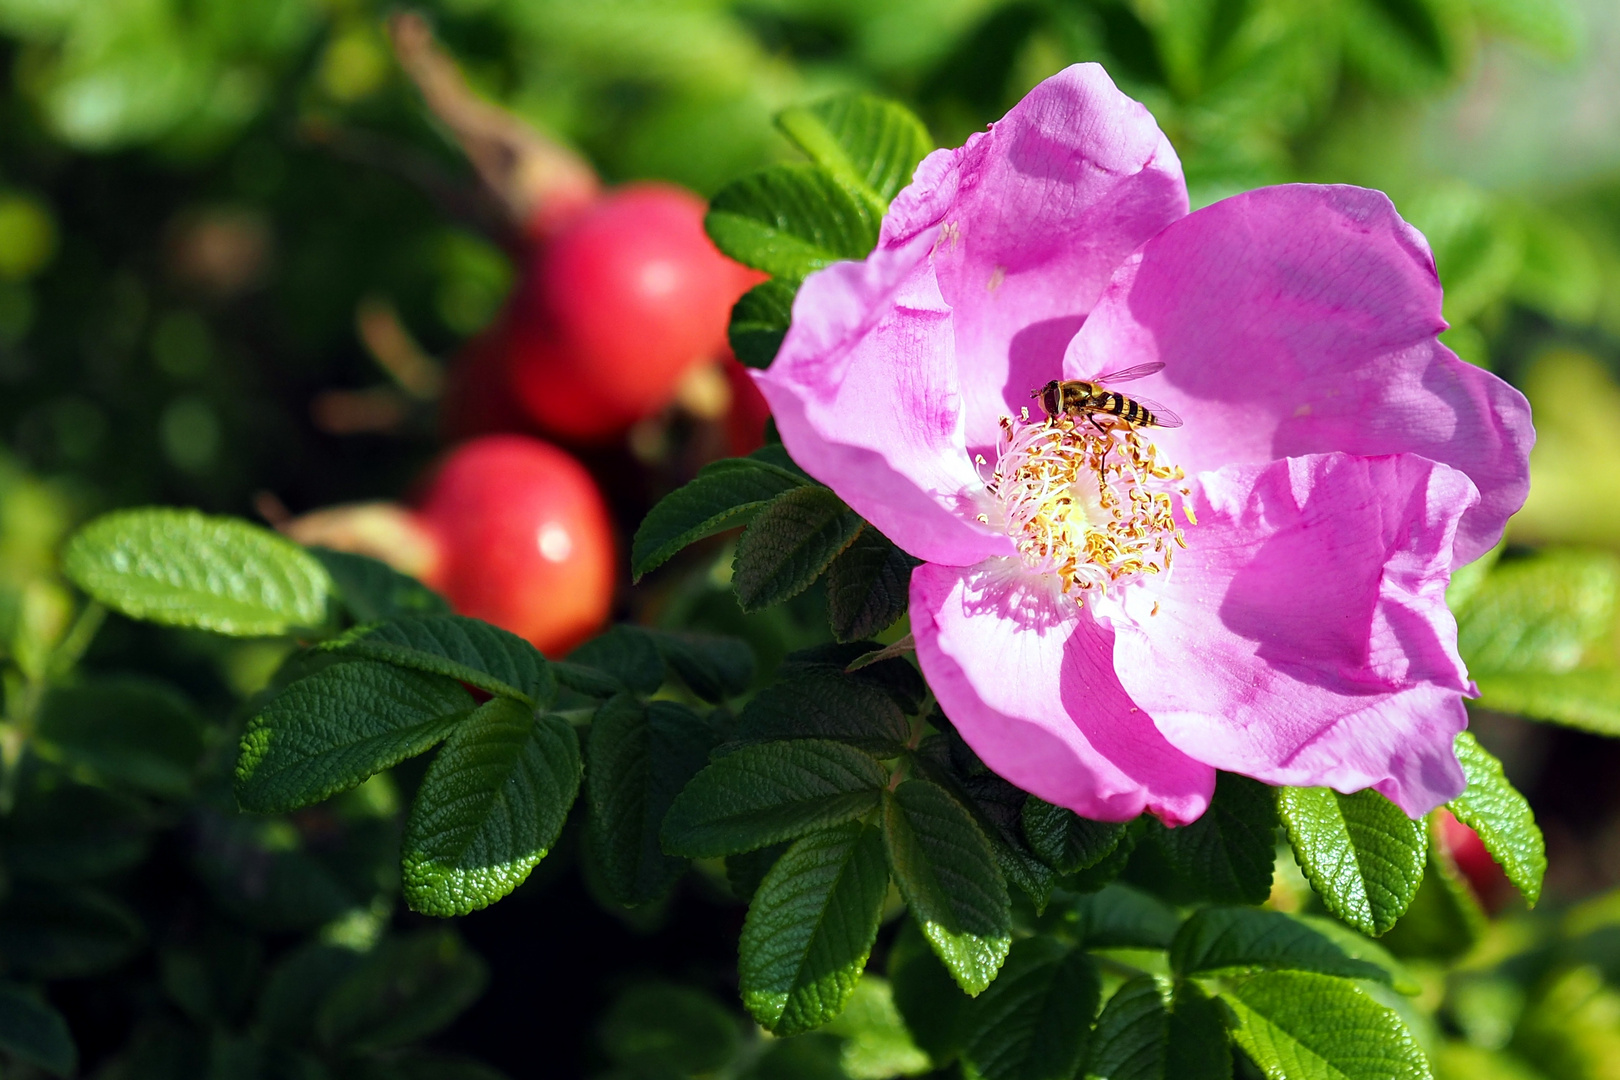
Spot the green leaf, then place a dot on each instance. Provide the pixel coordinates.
(1118, 916)
(182, 568)
(32, 1031)
(1494, 809)
(726, 494)
(811, 926)
(1299, 1025)
(759, 322)
(868, 586)
(776, 791)
(328, 731)
(789, 544)
(1064, 840)
(895, 676)
(791, 220)
(1545, 612)
(927, 996)
(489, 809)
(1359, 946)
(1227, 855)
(1034, 1021)
(1217, 938)
(1587, 698)
(640, 757)
(627, 655)
(65, 832)
(1444, 919)
(745, 870)
(372, 591)
(1361, 853)
(824, 706)
(296, 986)
(870, 144)
(1140, 1037)
(948, 875)
(468, 650)
(713, 666)
(998, 808)
(876, 1042)
(127, 730)
(51, 932)
(406, 989)
(659, 1028)
(589, 681)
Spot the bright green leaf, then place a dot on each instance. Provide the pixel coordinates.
(823, 705)
(406, 989)
(1444, 919)
(811, 926)
(489, 809)
(1547, 612)
(872, 145)
(640, 757)
(725, 495)
(468, 650)
(182, 568)
(1361, 852)
(868, 586)
(1034, 1021)
(372, 590)
(876, 1042)
(328, 731)
(759, 322)
(1141, 1037)
(789, 544)
(1494, 809)
(948, 875)
(1067, 842)
(1215, 938)
(34, 1032)
(775, 791)
(791, 220)
(1299, 1025)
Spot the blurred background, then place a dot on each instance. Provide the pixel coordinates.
(233, 239)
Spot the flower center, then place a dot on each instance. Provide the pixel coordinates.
(1092, 507)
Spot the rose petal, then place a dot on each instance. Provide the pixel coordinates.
(1303, 638)
(1032, 217)
(1027, 680)
(1302, 319)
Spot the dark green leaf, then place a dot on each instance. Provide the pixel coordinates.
(776, 791)
(725, 495)
(65, 832)
(489, 809)
(1120, 916)
(1231, 937)
(948, 875)
(1225, 856)
(32, 1031)
(297, 985)
(1034, 1021)
(759, 322)
(127, 730)
(895, 676)
(1140, 1038)
(1299, 1025)
(661, 1028)
(625, 653)
(66, 933)
(791, 220)
(928, 998)
(713, 666)
(1112, 865)
(406, 989)
(824, 706)
(745, 870)
(1064, 840)
(870, 144)
(789, 544)
(467, 650)
(584, 680)
(998, 808)
(868, 586)
(372, 590)
(1493, 808)
(1361, 852)
(183, 568)
(640, 758)
(811, 926)
(328, 731)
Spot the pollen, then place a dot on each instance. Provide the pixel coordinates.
(1093, 508)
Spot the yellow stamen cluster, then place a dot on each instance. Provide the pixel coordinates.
(1092, 507)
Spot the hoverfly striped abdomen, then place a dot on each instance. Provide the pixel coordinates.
(1087, 400)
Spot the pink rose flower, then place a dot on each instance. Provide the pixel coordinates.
(1109, 613)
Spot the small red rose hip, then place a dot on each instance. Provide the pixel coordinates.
(525, 538)
(615, 308)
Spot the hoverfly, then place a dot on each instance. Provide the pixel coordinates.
(1090, 399)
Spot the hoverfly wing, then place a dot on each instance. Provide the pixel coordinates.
(1162, 417)
(1127, 374)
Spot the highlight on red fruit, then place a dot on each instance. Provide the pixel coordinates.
(616, 308)
(1467, 850)
(525, 539)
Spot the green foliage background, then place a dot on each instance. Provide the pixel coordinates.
(195, 198)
